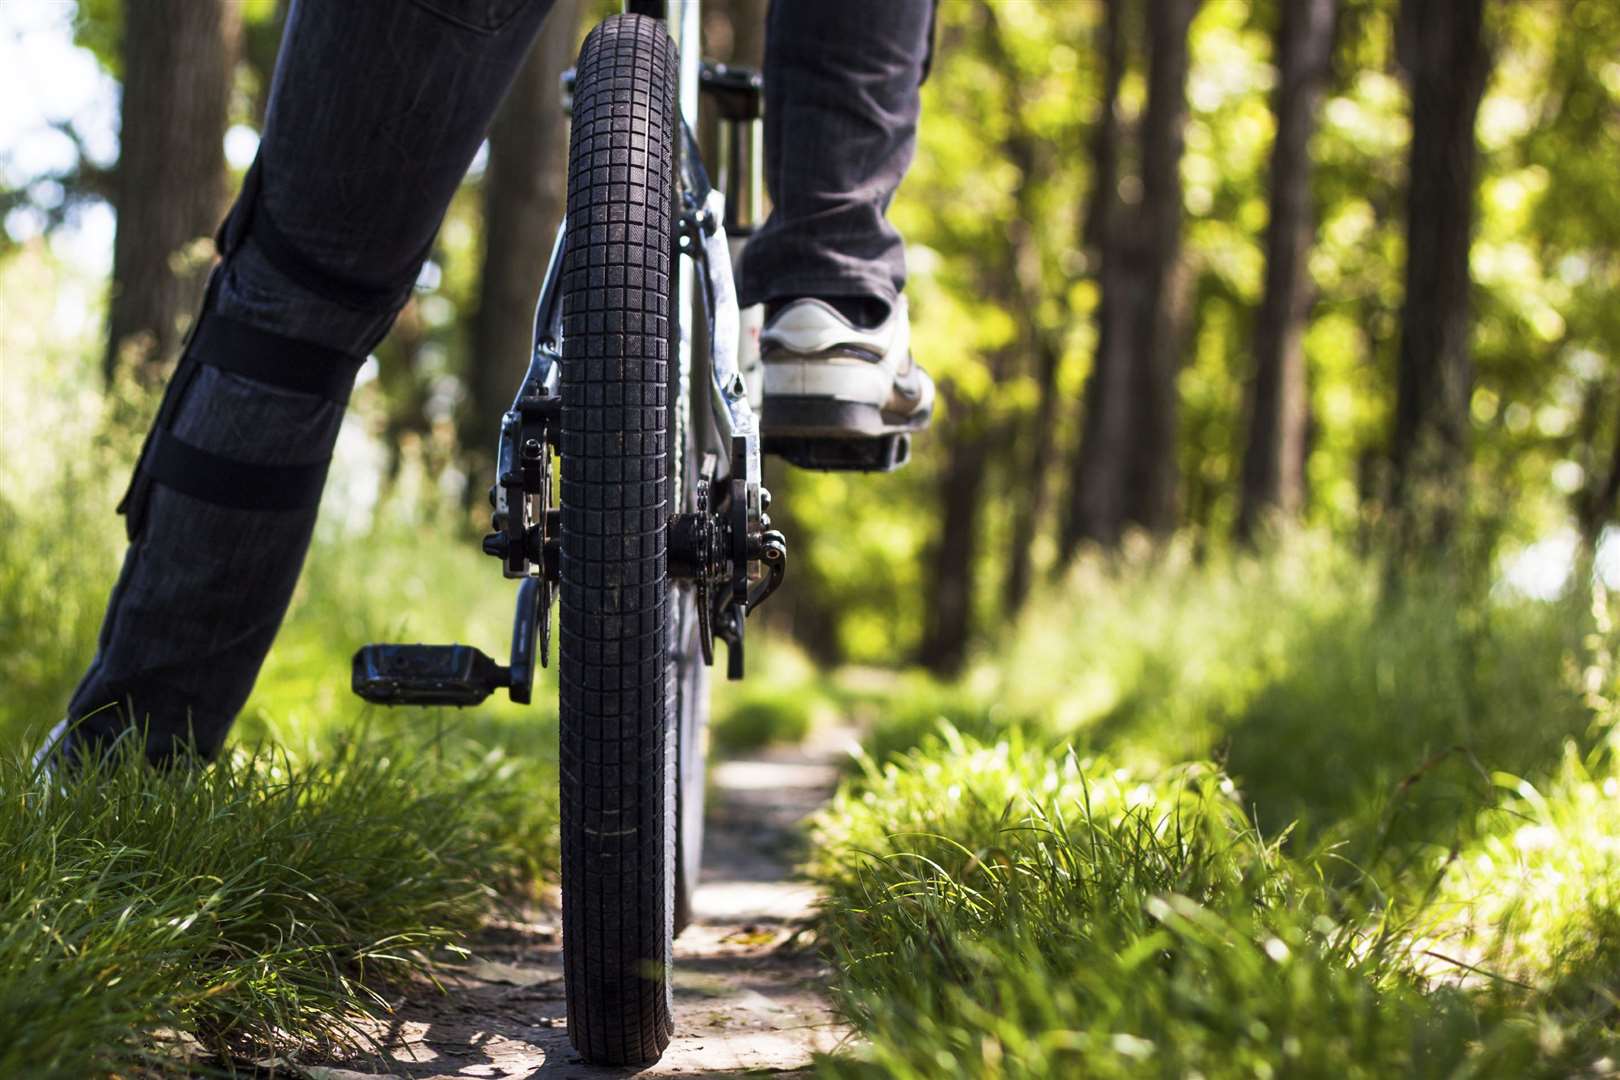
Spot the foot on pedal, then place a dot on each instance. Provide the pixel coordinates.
(426, 675)
(827, 377)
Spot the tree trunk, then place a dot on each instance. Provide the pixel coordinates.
(1125, 470)
(261, 44)
(525, 194)
(1605, 497)
(1153, 253)
(948, 616)
(747, 18)
(1595, 504)
(1279, 405)
(1020, 285)
(1095, 509)
(1443, 51)
(170, 189)
(1028, 514)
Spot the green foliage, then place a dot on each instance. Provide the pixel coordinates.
(98, 25)
(759, 715)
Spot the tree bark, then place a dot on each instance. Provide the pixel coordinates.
(525, 194)
(747, 32)
(1279, 405)
(1151, 472)
(1596, 502)
(170, 187)
(1096, 498)
(1020, 286)
(948, 615)
(1443, 50)
(1126, 471)
(1028, 513)
(1604, 500)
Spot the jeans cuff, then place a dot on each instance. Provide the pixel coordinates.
(879, 287)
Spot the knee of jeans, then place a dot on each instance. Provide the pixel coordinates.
(259, 255)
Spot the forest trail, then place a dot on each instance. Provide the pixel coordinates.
(749, 989)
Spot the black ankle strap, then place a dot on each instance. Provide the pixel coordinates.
(273, 359)
(224, 481)
(299, 366)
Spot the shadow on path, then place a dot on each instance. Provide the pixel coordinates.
(749, 994)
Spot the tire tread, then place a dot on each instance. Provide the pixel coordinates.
(617, 297)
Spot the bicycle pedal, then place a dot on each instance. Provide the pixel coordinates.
(426, 675)
(885, 453)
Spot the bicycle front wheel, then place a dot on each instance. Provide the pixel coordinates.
(618, 769)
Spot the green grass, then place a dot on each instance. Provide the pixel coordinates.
(1241, 818)
(1342, 715)
(1003, 910)
(253, 901)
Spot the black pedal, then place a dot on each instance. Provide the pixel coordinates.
(426, 675)
(738, 93)
(883, 454)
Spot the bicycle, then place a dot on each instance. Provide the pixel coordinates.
(658, 536)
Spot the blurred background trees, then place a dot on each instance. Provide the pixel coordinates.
(1180, 268)
(1278, 399)
(169, 188)
(524, 199)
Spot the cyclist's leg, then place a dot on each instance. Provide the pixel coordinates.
(842, 99)
(843, 85)
(376, 109)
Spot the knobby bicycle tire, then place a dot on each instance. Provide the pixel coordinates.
(617, 739)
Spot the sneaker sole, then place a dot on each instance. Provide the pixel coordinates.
(829, 418)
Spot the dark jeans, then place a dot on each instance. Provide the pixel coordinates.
(376, 110)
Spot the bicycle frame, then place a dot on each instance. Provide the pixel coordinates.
(727, 437)
(718, 528)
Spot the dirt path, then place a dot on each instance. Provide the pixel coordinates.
(748, 991)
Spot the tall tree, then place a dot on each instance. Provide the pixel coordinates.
(948, 606)
(170, 186)
(1279, 406)
(1125, 468)
(1154, 253)
(525, 193)
(1441, 46)
(746, 20)
(1020, 283)
(1096, 488)
(1597, 501)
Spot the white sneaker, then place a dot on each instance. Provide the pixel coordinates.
(48, 756)
(825, 377)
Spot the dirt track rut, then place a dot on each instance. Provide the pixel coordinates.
(749, 990)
